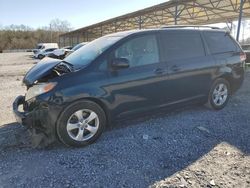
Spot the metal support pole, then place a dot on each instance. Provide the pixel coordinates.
(176, 14)
(140, 22)
(50, 28)
(239, 21)
(162, 19)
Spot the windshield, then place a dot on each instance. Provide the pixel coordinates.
(39, 47)
(77, 47)
(90, 51)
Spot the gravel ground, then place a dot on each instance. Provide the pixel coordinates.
(190, 147)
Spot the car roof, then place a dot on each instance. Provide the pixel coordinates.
(127, 33)
(52, 48)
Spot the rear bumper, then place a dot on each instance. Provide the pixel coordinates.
(248, 57)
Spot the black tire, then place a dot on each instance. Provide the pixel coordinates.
(61, 57)
(61, 126)
(210, 103)
(40, 56)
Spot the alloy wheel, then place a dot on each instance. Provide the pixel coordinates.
(220, 94)
(82, 125)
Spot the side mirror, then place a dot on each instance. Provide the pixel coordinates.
(120, 63)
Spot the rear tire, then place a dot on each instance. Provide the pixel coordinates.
(81, 124)
(40, 56)
(219, 94)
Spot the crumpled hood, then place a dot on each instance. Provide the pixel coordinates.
(40, 70)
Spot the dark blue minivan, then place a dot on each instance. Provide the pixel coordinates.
(121, 74)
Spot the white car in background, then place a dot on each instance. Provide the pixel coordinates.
(63, 52)
(42, 53)
(60, 53)
(44, 46)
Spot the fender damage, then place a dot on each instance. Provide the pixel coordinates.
(34, 113)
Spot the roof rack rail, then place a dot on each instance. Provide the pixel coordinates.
(194, 26)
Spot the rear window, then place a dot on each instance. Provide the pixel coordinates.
(220, 42)
(183, 45)
(245, 47)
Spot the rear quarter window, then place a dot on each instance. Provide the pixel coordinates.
(220, 42)
(182, 45)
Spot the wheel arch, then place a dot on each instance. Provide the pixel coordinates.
(92, 99)
(102, 105)
(60, 132)
(228, 78)
(230, 74)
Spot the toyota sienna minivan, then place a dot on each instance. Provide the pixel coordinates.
(126, 73)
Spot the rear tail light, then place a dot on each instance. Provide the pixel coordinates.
(243, 56)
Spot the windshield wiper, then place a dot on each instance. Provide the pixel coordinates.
(67, 63)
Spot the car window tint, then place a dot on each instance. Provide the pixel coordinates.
(139, 51)
(182, 46)
(219, 42)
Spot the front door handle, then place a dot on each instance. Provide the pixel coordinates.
(175, 68)
(159, 71)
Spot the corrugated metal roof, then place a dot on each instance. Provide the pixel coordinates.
(182, 12)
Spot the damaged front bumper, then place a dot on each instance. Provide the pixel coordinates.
(36, 117)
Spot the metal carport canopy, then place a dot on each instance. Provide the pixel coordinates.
(183, 12)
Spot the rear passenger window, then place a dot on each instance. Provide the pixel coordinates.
(139, 51)
(220, 42)
(183, 46)
(49, 50)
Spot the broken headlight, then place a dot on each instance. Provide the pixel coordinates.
(39, 89)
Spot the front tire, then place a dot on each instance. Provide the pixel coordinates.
(81, 124)
(219, 94)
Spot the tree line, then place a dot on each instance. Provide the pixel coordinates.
(25, 37)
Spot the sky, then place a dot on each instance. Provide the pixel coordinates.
(79, 13)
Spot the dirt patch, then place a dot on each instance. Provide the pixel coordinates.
(224, 166)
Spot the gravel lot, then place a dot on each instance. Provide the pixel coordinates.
(190, 147)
